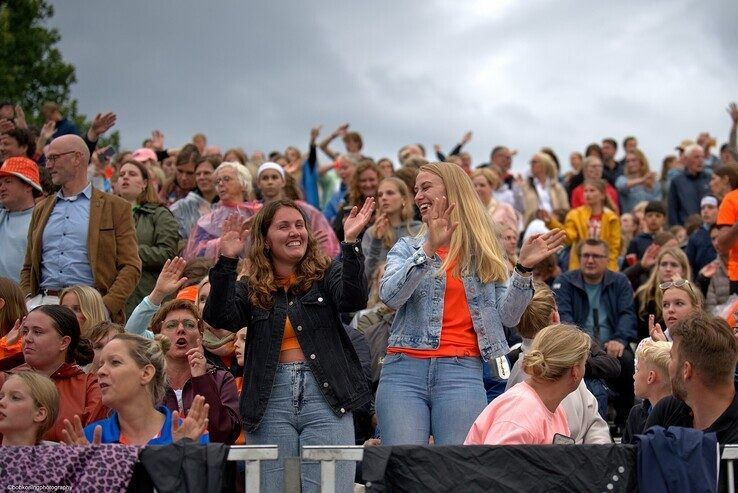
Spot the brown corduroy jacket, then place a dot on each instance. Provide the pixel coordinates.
(111, 245)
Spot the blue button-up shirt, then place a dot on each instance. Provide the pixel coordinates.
(65, 260)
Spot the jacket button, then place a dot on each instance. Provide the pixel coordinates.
(356, 248)
(312, 356)
(343, 410)
(291, 303)
(325, 385)
(299, 327)
(320, 300)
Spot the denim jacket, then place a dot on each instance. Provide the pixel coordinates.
(411, 286)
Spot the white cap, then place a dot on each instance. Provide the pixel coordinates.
(270, 165)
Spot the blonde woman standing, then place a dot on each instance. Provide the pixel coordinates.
(542, 189)
(453, 295)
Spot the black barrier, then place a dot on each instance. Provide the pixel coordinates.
(530, 468)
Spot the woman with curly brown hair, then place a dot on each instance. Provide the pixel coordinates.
(302, 377)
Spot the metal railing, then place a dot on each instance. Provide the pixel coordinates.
(327, 455)
(730, 454)
(252, 455)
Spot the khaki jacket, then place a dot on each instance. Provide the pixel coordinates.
(111, 245)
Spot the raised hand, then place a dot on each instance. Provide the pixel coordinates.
(437, 148)
(543, 215)
(194, 424)
(101, 124)
(649, 256)
(314, 132)
(234, 237)
(540, 247)
(467, 137)
(710, 269)
(6, 126)
(20, 117)
(196, 360)
(321, 237)
(440, 227)
(654, 329)
(74, 434)
(733, 112)
(357, 220)
(381, 224)
(170, 280)
(47, 131)
(14, 333)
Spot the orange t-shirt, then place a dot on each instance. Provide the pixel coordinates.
(289, 339)
(728, 216)
(458, 337)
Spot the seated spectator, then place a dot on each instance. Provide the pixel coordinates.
(601, 303)
(651, 383)
(52, 347)
(133, 382)
(183, 181)
(12, 312)
(199, 201)
(486, 181)
(671, 264)
(723, 181)
(530, 412)
(233, 184)
(29, 406)
(594, 219)
(345, 169)
(156, 228)
(679, 300)
(100, 334)
(17, 142)
(218, 344)
(87, 305)
(581, 407)
(509, 238)
(364, 184)
(687, 189)
(637, 183)
(593, 169)
(653, 220)
(271, 180)
(718, 290)
(701, 369)
(629, 227)
(700, 250)
(394, 220)
(542, 189)
(639, 271)
(189, 374)
(546, 271)
(680, 233)
(20, 186)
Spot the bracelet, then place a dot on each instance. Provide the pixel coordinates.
(522, 269)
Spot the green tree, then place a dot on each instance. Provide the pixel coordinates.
(32, 69)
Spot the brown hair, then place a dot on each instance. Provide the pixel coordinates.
(170, 306)
(537, 314)
(355, 196)
(64, 321)
(354, 136)
(148, 194)
(601, 185)
(406, 214)
(15, 305)
(708, 344)
(262, 281)
(102, 329)
(731, 171)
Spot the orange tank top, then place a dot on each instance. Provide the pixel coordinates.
(458, 337)
(289, 340)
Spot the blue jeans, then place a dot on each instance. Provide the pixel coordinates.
(297, 415)
(419, 397)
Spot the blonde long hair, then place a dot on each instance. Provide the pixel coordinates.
(406, 214)
(90, 304)
(649, 290)
(474, 244)
(556, 349)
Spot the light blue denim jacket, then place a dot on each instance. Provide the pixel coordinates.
(411, 286)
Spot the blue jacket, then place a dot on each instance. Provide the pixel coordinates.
(310, 178)
(677, 460)
(700, 251)
(616, 296)
(639, 244)
(111, 429)
(331, 208)
(685, 193)
(411, 286)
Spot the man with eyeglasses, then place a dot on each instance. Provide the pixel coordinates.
(600, 302)
(79, 235)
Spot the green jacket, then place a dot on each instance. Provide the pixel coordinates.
(157, 233)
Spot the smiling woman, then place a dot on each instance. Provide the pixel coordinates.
(296, 342)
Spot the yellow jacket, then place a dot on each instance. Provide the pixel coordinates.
(576, 227)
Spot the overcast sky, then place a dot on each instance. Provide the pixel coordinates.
(526, 74)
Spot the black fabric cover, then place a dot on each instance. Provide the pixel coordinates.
(185, 466)
(529, 468)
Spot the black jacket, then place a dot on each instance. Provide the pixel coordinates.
(315, 317)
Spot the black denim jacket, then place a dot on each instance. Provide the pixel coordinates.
(315, 318)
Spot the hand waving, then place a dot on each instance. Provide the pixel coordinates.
(654, 329)
(74, 434)
(14, 333)
(195, 424)
(169, 281)
(234, 236)
(539, 247)
(101, 124)
(196, 360)
(314, 132)
(733, 112)
(357, 220)
(440, 227)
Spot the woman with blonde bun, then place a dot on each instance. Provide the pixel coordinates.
(531, 413)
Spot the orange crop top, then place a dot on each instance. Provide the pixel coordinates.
(289, 340)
